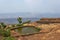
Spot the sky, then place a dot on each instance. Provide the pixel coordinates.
(34, 7)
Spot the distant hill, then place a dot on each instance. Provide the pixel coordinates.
(29, 15)
(51, 15)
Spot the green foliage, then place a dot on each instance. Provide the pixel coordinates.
(2, 25)
(21, 23)
(1, 32)
(5, 33)
(19, 20)
(23, 30)
(9, 38)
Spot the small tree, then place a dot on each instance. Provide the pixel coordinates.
(19, 20)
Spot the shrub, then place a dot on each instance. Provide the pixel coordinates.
(2, 25)
(21, 23)
(4, 33)
(19, 20)
(9, 38)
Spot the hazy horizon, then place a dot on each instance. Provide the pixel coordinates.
(29, 15)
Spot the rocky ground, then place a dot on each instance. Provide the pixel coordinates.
(48, 32)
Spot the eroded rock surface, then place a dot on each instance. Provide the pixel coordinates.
(48, 32)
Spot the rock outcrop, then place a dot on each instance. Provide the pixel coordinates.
(50, 31)
(49, 20)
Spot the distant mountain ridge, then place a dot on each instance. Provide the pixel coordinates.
(29, 15)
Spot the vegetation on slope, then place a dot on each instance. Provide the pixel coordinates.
(6, 31)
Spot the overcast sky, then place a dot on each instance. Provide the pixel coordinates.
(33, 6)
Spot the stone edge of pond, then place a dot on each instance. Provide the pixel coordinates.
(29, 34)
(21, 27)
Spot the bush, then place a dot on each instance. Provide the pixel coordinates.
(2, 25)
(4, 33)
(9, 38)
